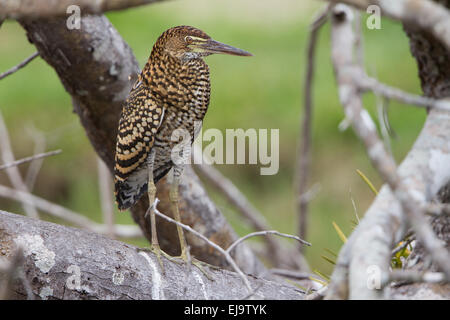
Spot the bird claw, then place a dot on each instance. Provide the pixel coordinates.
(197, 263)
(200, 264)
(157, 251)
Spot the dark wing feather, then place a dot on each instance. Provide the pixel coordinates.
(138, 125)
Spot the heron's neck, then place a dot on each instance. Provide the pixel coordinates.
(175, 82)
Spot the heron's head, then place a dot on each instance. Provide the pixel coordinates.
(187, 43)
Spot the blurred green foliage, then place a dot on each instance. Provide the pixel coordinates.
(264, 91)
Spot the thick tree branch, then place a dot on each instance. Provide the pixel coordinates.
(67, 263)
(421, 175)
(18, 9)
(423, 14)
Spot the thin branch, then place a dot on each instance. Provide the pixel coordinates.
(304, 156)
(19, 66)
(13, 172)
(359, 45)
(106, 201)
(210, 243)
(40, 145)
(226, 253)
(291, 274)
(265, 233)
(123, 231)
(234, 196)
(367, 83)
(255, 218)
(28, 159)
(404, 244)
(383, 120)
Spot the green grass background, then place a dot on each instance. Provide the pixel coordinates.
(264, 91)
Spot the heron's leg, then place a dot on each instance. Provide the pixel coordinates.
(151, 200)
(173, 195)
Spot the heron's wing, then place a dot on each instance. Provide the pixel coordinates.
(138, 125)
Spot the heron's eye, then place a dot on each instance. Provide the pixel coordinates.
(188, 39)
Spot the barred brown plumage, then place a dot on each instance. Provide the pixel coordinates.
(172, 92)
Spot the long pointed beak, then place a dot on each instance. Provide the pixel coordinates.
(213, 46)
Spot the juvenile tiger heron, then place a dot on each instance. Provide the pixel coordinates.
(171, 93)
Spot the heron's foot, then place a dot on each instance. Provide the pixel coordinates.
(158, 252)
(201, 266)
(183, 259)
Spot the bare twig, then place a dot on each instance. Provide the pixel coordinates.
(291, 274)
(28, 159)
(106, 201)
(234, 196)
(227, 256)
(13, 172)
(19, 66)
(278, 254)
(123, 231)
(40, 145)
(303, 156)
(367, 83)
(405, 14)
(404, 244)
(265, 233)
(359, 45)
(311, 193)
(226, 253)
(383, 120)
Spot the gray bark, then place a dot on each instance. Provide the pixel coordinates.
(433, 62)
(425, 170)
(67, 263)
(48, 8)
